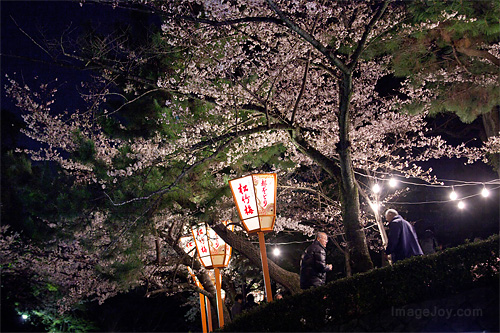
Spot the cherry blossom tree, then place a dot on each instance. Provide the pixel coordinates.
(229, 88)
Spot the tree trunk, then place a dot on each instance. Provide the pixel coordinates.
(287, 279)
(357, 250)
(356, 241)
(491, 124)
(204, 278)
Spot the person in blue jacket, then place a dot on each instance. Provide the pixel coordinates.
(402, 240)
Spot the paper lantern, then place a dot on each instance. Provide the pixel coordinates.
(255, 199)
(213, 252)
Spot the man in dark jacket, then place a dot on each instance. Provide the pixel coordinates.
(313, 265)
(402, 240)
(237, 308)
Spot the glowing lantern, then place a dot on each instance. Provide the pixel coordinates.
(255, 199)
(212, 250)
(188, 245)
(213, 253)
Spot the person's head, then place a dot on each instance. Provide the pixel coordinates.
(322, 238)
(238, 298)
(390, 214)
(250, 298)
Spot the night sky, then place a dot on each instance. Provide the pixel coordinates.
(479, 219)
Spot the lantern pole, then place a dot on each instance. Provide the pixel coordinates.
(203, 313)
(265, 268)
(209, 315)
(381, 228)
(219, 297)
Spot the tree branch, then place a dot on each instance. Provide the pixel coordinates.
(302, 87)
(368, 29)
(288, 279)
(310, 39)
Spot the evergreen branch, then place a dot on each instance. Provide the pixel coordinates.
(178, 179)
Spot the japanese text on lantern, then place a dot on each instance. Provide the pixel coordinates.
(243, 190)
(188, 244)
(201, 239)
(264, 193)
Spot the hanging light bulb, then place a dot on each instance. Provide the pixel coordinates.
(461, 204)
(393, 182)
(375, 206)
(485, 192)
(453, 194)
(376, 188)
(276, 252)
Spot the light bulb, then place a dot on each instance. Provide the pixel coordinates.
(453, 195)
(393, 182)
(461, 204)
(276, 251)
(376, 188)
(485, 192)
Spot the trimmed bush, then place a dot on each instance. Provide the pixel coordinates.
(412, 280)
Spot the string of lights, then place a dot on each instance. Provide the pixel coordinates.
(487, 187)
(393, 179)
(453, 197)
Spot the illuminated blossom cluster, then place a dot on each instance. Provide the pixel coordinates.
(66, 265)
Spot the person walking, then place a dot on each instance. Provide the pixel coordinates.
(250, 303)
(402, 240)
(313, 266)
(428, 242)
(237, 307)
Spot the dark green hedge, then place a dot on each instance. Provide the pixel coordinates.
(412, 280)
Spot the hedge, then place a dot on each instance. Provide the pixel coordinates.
(412, 280)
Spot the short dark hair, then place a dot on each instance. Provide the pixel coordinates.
(238, 297)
